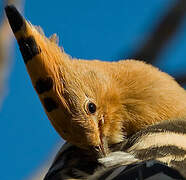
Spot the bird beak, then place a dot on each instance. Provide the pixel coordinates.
(103, 147)
(102, 150)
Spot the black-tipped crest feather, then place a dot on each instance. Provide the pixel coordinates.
(15, 19)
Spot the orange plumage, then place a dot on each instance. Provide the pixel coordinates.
(95, 103)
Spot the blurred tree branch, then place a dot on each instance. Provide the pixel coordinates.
(161, 35)
(40, 173)
(165, 30)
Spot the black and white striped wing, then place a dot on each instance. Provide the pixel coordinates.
(73, 163)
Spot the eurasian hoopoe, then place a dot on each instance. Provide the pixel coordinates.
(164, 142)
(94, 104)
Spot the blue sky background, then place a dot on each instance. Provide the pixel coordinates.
(94, 29)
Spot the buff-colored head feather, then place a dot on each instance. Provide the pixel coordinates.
(125, 96)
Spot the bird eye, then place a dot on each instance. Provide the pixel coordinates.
(90, 107)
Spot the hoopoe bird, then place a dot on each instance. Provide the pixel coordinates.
(95, 104)
(161, 146)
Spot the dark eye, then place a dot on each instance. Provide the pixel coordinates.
(90, 107)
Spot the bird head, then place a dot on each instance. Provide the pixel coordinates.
(94, 104)
(78, 96)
